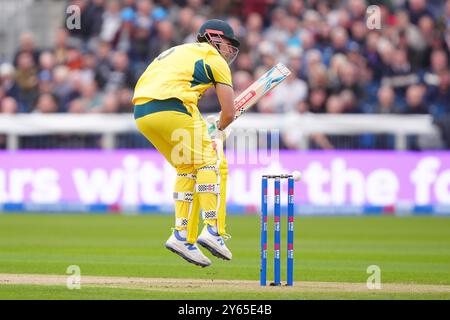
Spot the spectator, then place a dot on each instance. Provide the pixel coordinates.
(120, 76)
(76, 106)
(438, 95)
(143, 25)
(8, 105)
(185, 17)
(74, 58)
(414, 100)
(90, 97)
(62, 87)
(164, 39)
(291, 93)
(125, 96)
(316, 99)
(26, 45)
(112, 21)
(349, 101)
(335, 104)
(103, 64)
(8, 82)
(27, 79)
(241, 81)
(438, 64)
(385, 101)
(46, 103)
(254, 23)
(357, 9)
(45, 75)
(110, 104)
(199, 7)
(95, 18)
(195, 26)
(318, 77)
(399, 73)
(88, 65)
(418, 9)
(60, 46)
(276, 31)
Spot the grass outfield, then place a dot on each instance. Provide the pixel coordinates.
(411, 251)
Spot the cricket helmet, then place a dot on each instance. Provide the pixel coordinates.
(213, 31)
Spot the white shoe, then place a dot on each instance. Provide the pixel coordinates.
(187, 251)
(211, 240)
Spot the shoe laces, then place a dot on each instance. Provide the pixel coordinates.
(226, 236)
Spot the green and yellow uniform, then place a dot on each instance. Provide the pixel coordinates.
(166, 113)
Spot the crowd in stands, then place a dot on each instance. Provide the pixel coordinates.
(341, 64)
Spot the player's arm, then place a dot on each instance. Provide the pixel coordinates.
(225, 94)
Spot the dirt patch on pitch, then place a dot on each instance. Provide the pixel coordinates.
(204, 285)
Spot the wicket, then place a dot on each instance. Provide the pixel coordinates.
(277, 230)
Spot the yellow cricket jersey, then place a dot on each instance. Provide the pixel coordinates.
(184, 72)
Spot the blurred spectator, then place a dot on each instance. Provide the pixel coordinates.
(414, 100)
(241, 81)
(90, 97)
(335, 104)
(348, 80)
(103, 64)
(62, 87)
(120, 75)
(110, 104)
(385, 101)
(60, 46)
(195, 26)
(8, 82)
(112, 21)
(27, 79)
(95, 17)
(26, 45)
(46, 103)
(438, 64)
(88, 65)
(287, 97)
(399, 73)
(317, 99)
(74, 58)
(8, 105)
(76, 106)
(125, 105)
(349, 101)
(438, 95)
(199, 7)
(142, 26)
(185, 17)
(164, 39)
(418, 9)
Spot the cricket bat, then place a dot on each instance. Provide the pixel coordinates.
(250, 96)
(259, 88)
(242, 103)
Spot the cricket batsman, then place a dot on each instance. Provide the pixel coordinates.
(166, 113)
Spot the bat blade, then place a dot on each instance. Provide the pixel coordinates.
(259, 88)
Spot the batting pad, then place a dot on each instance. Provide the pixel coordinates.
(183, 196)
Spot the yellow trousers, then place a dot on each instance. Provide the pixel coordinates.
(181, 136)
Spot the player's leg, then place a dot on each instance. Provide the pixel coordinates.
(151, 127)
(211, 189)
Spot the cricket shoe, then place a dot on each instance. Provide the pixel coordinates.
(211, 240)
(190, 252)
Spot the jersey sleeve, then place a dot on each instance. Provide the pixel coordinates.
(218, 70)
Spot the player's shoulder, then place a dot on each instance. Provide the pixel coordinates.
(213, 56)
